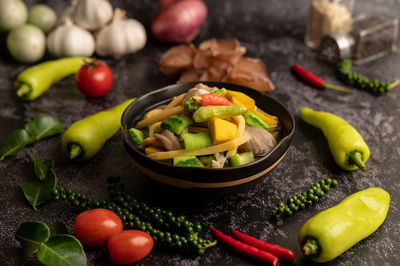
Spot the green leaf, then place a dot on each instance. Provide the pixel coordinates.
(38, 192)
(57, 228)
(62, 250)
(43, 127)
(41, 169)
(15, 142)
(31, 235)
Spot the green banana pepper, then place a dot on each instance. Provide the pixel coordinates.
(347, 146)
(84, 138)
(205, 113)
(36, 80)
(331, 232)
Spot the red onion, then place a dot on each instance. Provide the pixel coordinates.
(178, 21)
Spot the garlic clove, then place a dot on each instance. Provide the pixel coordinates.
(92, 14)
(70, 40)
(121, 37)
(136, 38)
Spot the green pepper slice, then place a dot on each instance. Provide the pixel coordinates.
(205, 113)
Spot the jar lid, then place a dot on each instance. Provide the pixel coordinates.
(335, 46)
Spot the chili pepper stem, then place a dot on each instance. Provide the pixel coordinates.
(310, 247)
(75, 151)
(23, 90)
(334, 87)
(356, 158)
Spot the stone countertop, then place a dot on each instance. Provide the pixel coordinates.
(271, 30)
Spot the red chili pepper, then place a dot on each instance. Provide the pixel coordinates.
(244, 249)
(214, 99)
(280, 252)
(314, 80)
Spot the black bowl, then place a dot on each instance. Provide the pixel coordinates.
(205, 178)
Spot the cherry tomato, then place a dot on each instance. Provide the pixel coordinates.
(129, 246)
(94, 227)
(94, 79)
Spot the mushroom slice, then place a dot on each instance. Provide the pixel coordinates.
(198, 90)
(260, 143)
(219, 161)
(169, 140)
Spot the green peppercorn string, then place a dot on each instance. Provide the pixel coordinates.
(167, 230)
(304, 199)
(362, 82)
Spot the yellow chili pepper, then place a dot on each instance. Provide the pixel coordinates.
(36, 80)
(84, 138)
(347, 146)
(331, 232)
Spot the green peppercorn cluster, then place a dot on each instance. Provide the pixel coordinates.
(167, 230)
(303, 200)
(360, 81)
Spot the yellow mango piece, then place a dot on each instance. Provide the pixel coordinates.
(152, 149)
(241, 99)
(222, 130)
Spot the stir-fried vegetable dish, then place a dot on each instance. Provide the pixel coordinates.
(207, 127)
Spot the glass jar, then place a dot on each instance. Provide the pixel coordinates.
(325, 17)
(371, 37)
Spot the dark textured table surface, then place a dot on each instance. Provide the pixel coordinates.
(272, 30)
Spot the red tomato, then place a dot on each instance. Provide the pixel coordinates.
(94, 227)
(129, 246)
(94, 79)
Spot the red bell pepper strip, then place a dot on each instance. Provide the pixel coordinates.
(244, 249)
(278, 251)
(314, 80)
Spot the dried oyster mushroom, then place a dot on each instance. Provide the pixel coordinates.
(177, 59)
(216, 60)
(252, 73)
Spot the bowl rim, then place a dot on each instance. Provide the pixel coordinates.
(128, 142)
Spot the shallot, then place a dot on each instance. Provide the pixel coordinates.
(178, 21)
(13, 13)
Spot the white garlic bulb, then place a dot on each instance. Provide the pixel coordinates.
(121, 37)
(70, 40)
(92, 14)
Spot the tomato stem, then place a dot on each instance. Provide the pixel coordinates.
(24, 90)
(355, 157)
(74, 151)
(310, 247)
